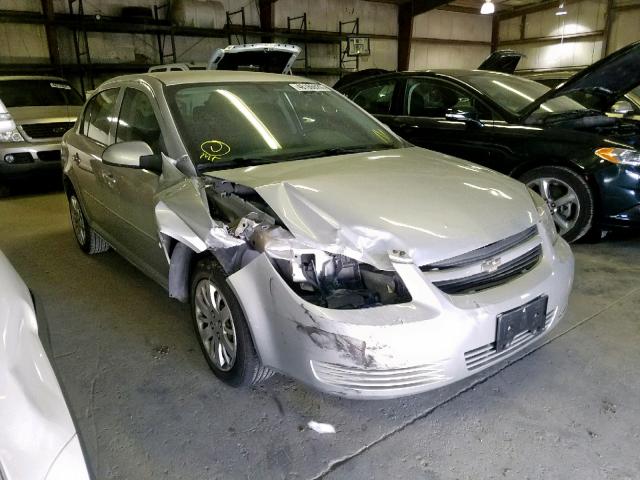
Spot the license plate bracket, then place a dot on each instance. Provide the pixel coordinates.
(530, 317)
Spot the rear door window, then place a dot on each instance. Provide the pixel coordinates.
(99, 115)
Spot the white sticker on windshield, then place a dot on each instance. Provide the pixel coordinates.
(310, 87)
(60, 85)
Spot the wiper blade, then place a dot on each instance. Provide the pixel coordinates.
(327, 152)
(551, 117)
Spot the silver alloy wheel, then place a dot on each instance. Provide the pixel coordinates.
(215, 325)
(77, 220)
(562, 201)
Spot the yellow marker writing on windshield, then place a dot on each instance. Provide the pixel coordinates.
(212, 150)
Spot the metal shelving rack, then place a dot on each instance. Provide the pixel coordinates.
(242, 31)
(345, 60)
(162, 36)
(300, 28)
(80, 24)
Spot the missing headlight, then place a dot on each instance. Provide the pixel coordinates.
(339, 282)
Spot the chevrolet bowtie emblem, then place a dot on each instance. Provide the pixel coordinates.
(490, 266)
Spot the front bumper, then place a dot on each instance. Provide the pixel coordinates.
(620, 195)
(393, 350)
(22, 159)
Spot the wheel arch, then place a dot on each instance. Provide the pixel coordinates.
(585, 173)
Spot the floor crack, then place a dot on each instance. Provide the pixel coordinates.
(338, 462)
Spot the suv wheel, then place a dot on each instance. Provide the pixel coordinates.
(221, 328)
(569, 197)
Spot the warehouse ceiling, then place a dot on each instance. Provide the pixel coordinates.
(474, 5)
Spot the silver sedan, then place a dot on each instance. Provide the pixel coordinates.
(308, 238)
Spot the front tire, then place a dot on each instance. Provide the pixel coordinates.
(221, 328)
(569, 197)
(88, 239)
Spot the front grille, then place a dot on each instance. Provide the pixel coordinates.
(483, 253)
(49, 155)
(46, 130)
(376, 379)
(482, 281)
(486, 354)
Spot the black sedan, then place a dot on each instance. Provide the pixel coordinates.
(584, 164)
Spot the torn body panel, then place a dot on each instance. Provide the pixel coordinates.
(319, 313)
(390, 350)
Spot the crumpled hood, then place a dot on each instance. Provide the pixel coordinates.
(363, 205)
(56, 113)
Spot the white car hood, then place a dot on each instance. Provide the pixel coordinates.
(36, 428)
(364, 205)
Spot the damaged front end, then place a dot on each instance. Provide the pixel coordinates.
(325, 279)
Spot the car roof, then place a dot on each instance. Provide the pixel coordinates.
(205, 76)
(32, 77)
(560, 75)
(454, 73)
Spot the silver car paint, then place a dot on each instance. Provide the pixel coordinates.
(407, 207)
(38, 439)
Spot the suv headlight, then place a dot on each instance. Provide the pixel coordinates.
(11, 136)
(623, 156)
(545, 216)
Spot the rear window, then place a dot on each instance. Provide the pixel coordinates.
(38, 93)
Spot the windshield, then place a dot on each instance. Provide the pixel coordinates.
(229, 125)
(38, 93)
(515, 93)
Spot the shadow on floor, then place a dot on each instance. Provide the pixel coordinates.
(35, 185)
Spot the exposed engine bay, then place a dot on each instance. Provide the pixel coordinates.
(322, 278)
(627, 131)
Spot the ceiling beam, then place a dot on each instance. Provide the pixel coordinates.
(554, 38)
(460, 9)
(538, 7)
(416, 7)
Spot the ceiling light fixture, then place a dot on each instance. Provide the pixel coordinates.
(561, 9)
(487, 8)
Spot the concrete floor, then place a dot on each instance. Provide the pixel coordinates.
(149, 408)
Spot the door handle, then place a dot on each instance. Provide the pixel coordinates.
(109, 178)
(407, 127)
(76, 158)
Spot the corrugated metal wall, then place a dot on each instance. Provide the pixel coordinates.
(446, 25)
(585, 20)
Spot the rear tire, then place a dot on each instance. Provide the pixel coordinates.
(88, 239)
(569, 197)
(221, 328)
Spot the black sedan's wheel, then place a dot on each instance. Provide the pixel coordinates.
(569, 197)
(88, 239)
(221, 328)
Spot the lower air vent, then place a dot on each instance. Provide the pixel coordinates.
(370, 379)
(49, 155)
(486, 354)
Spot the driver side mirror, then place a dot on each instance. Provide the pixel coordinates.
(132, 155)
(468, 115)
